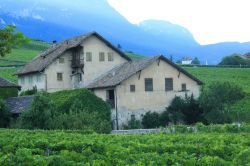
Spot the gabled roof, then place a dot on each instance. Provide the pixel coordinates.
(17, 105)
(124, 71)
(40, 62)
(7, 84)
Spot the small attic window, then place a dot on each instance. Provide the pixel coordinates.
(132, 88)
(101, 57)
(110, 56)
(61, 60)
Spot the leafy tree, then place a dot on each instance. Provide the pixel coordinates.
(192, 112)
(215, 97)
(5, 115)
(39, 116)
(234, 59)
(195, 61)
(185, 110)
(151, 120)
(175, 110)
(9, 39)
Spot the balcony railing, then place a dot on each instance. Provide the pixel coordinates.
(77, 63)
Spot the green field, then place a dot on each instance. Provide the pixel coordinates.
(8, 73)
(239, 76)
(24, 147)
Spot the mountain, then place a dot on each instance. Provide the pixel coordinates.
(60, 19)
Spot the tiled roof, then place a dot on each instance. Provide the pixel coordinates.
(19, 104)
(122, 72)
(40, 62)
(6, 83)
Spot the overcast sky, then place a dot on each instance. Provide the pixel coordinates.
(210, 21)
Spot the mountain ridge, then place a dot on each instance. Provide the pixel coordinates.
(59, 20)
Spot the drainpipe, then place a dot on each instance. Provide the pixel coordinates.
(46, 86)
(116, 111)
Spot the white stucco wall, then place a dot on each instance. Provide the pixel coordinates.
(92, 69)
(95, 68)
(37, 80)
(51, 74)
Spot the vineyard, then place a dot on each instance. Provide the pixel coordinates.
(24, 147)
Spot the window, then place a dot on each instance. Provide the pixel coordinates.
(22, 80)
(148, 84)
(110, 56)
(38, 78)
(30, 79)
(59, 76)
(101, 56)
(168, 84)
(183, 87)
(132, 88)
(61, 60)
(88, 56)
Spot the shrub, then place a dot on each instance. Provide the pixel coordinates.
(29, 92)
(8, 92)
(214, 98)
(80, 103)
(40, 113)
(5, 115)
(71, 109)
(133, 123)
(174, 110)
(185, 110)
(234, 59)
(151, 120)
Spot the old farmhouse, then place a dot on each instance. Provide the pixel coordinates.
(132, 87)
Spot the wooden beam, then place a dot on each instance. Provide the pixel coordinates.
(139, 76)
(158, 62)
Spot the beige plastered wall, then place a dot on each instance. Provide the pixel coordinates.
(139, 102)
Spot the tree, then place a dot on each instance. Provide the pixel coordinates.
(185, 110)
(192, 112)
(5, 115)
(195, 61)
(215, 97)
(9, 39)
(234, 59)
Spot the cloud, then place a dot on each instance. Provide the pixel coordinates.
(2, 21)
(64, 9)
(37, 17)
(24, 13)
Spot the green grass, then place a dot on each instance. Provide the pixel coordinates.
(25, 53)
(239, 76)
(8, 73)
(10, 63)
(134, 55)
